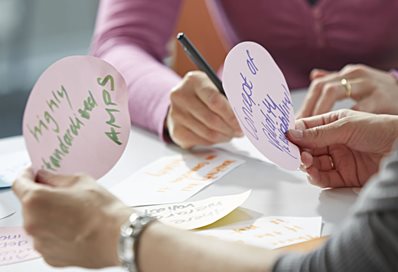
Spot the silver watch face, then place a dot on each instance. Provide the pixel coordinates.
(133, 219)
(126, 249)
(126, 230)
(129, 232)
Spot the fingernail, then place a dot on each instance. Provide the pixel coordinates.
(238, 132)
(296, 134)
(236, 125)
(299, 125)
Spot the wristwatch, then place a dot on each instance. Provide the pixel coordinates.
(130, 233)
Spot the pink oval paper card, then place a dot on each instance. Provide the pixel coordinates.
(76, 118)
(260, 98)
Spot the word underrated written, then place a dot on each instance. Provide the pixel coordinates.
(274, 116)
(78, 118)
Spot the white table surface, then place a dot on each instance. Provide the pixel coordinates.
(275, 192)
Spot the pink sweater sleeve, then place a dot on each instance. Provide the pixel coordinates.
(133, 35)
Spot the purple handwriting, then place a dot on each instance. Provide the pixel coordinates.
(275, 121)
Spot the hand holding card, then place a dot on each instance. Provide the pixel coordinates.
(76, 118)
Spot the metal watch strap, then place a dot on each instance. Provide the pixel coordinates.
(130, 234)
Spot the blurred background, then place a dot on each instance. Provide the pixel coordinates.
(36, 33)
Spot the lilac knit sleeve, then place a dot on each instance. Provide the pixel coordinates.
(133, 35)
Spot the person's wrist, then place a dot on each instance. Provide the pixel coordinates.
(166, 133)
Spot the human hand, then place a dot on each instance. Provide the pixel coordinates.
(199, 114)
(72, 219)
(373, 90)
(343, 148)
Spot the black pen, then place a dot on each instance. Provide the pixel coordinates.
(197, 58)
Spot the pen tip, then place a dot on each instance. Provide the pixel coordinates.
(180, 35)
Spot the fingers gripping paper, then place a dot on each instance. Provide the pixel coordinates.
(76, 118)
(260, 98)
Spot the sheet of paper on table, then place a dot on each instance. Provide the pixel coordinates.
(271, 232)
(175, 178)
(11, 165)
(196, 214)
(15, 246)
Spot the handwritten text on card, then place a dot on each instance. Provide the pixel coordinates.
(196, 214)
(77, 114)
(261, 100)
(175, 178)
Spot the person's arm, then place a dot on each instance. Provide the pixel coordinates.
(133, 35)
(164, 248)
(75, 222)
(369, 239)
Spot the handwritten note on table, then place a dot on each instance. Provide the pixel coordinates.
(76, 118)
(175, 178)
(271, 232)
(196, 214)
(260, 98)
(15, 246)
(11, 165)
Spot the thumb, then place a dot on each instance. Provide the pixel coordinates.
(24, 183)
(55, 180)
(320, 136)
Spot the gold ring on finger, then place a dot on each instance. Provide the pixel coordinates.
(347, 86)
